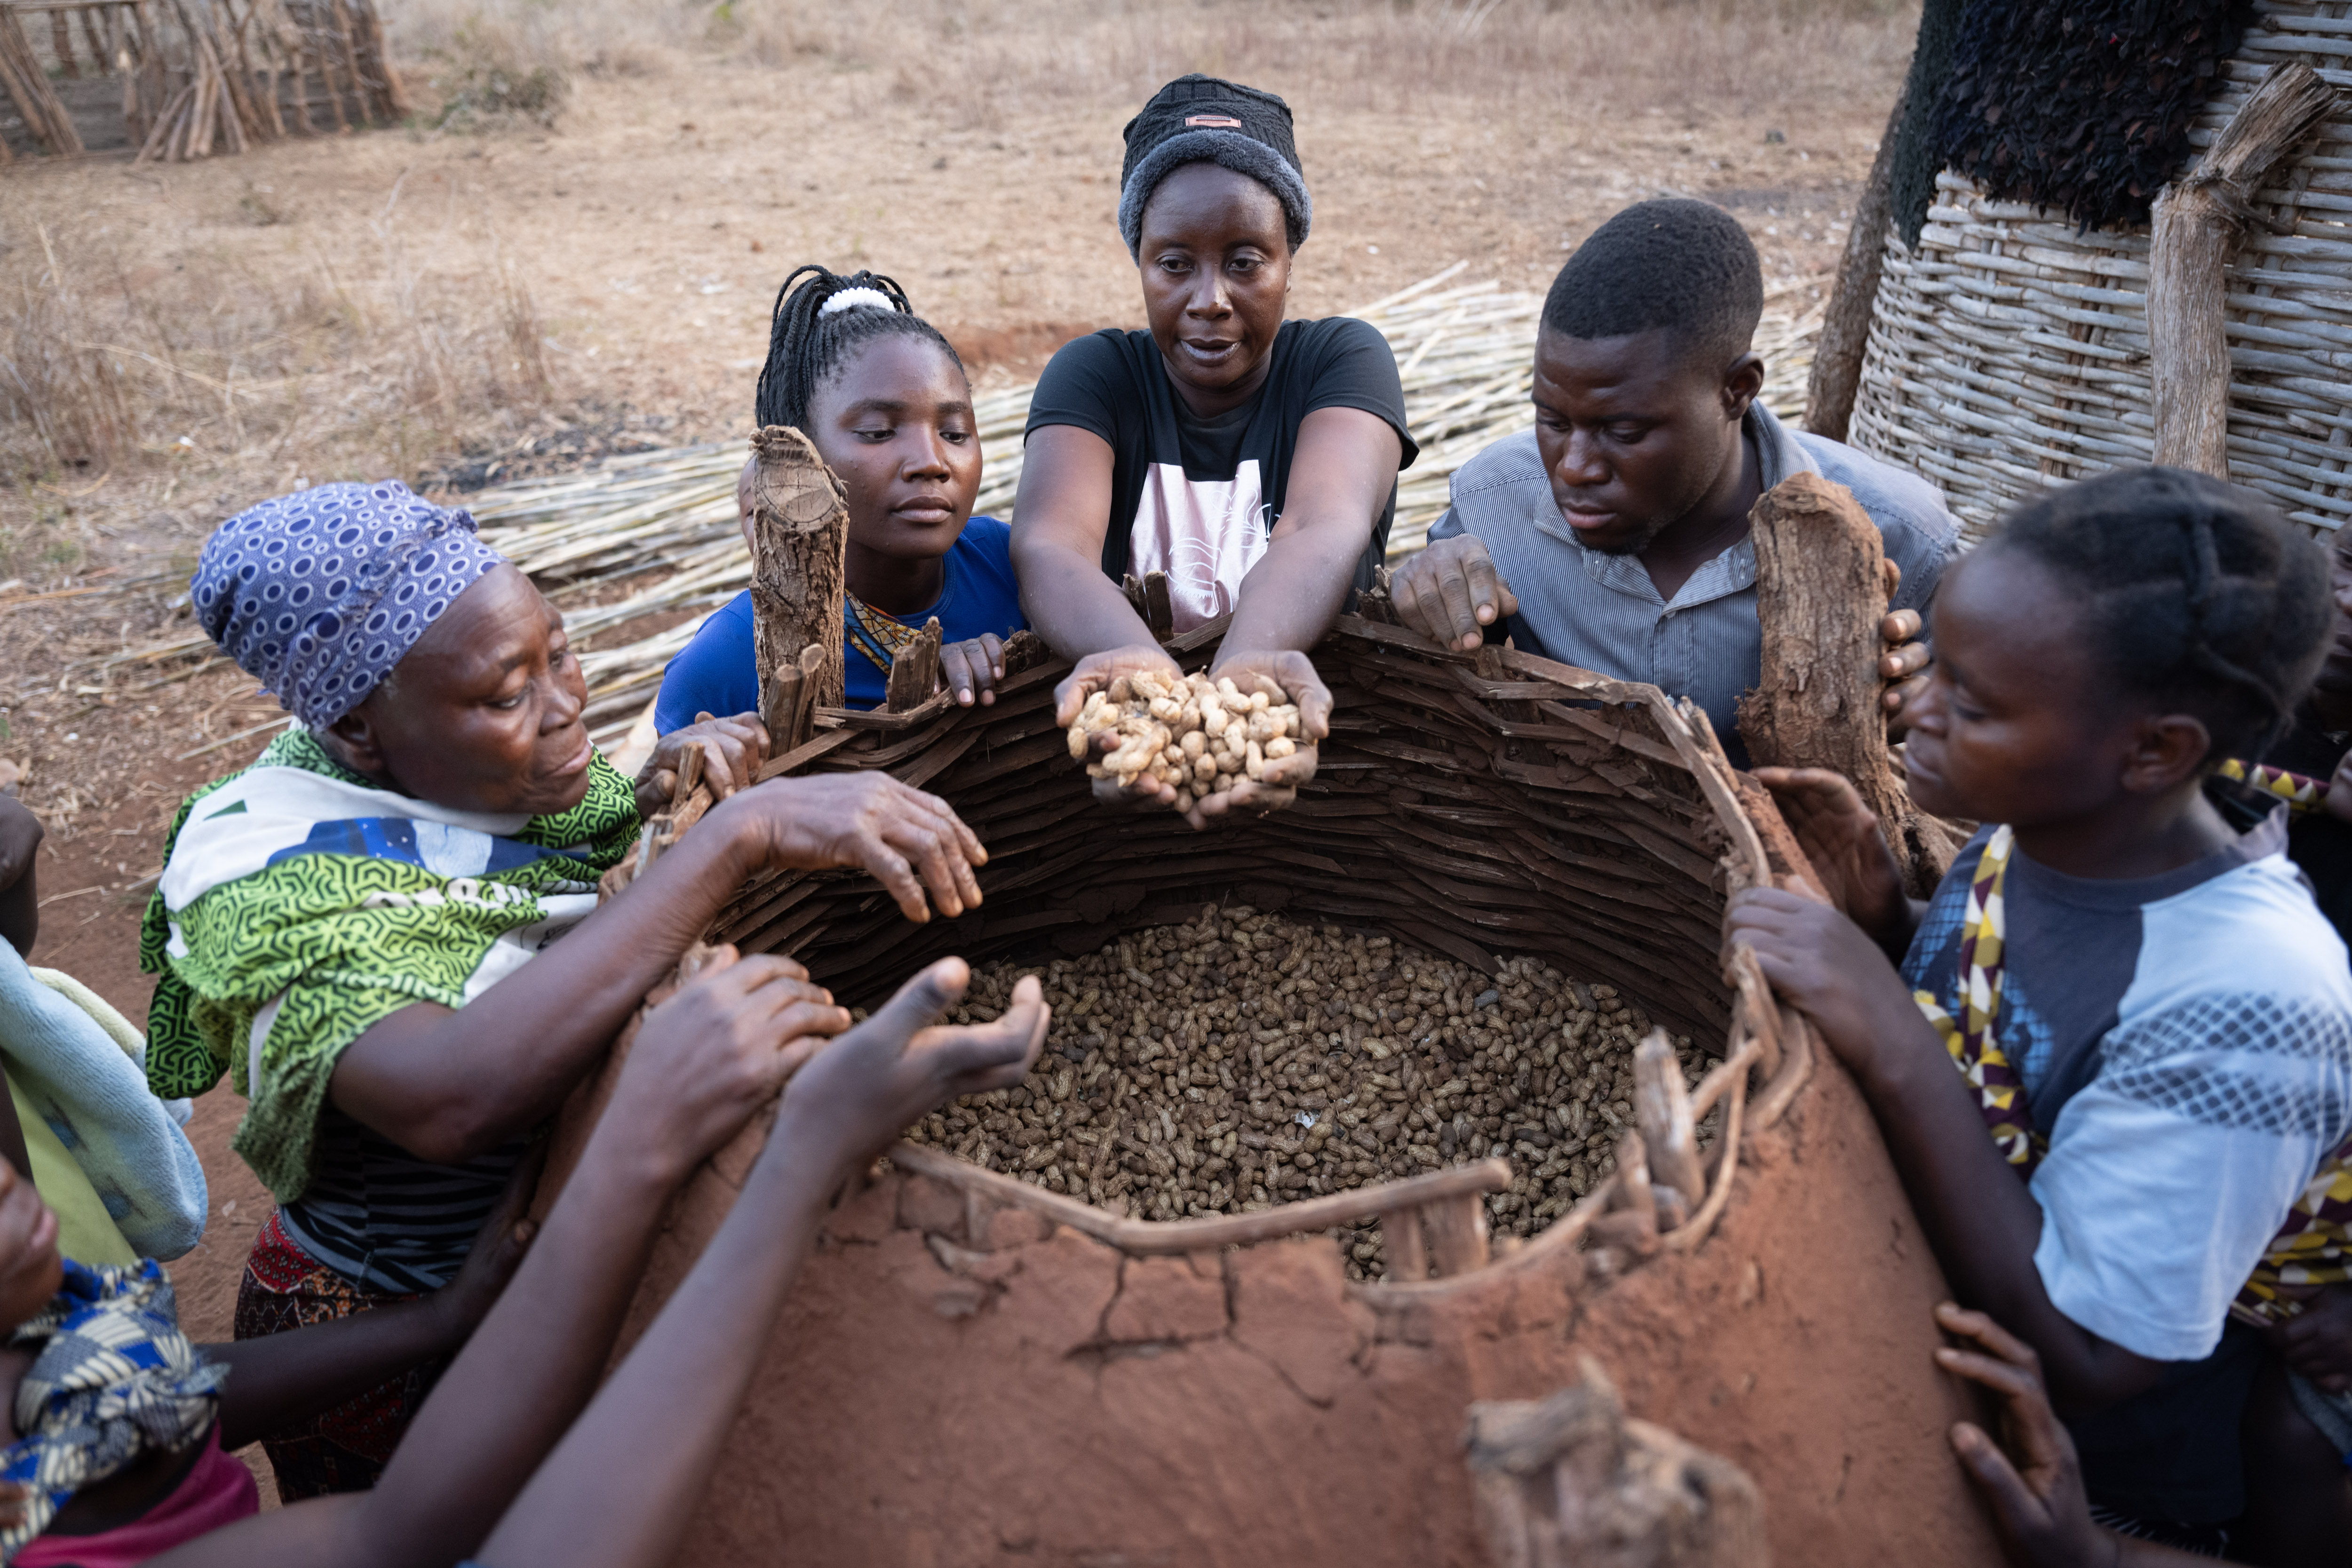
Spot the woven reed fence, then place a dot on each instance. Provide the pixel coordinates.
(2009, 352)
(198, 77)
(1471, 804)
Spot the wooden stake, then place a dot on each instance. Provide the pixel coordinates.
(1571, 1481)
(788, 700)
(1402, 1242)
(351, 59)
(800, 525)
(158, 138)
(1820, 595)
(370, 23)
(914, 674)
(2200, 220)
(1662, 1107)
(1845, 325)
(1150, 597)
(20, 71)
(61, 40)
(1456, 1229)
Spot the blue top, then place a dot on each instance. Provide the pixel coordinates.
(716, 673)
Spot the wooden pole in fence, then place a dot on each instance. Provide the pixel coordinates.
(1845, 325)
(2199, 221)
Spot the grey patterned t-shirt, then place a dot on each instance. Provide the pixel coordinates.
(2185, 1045)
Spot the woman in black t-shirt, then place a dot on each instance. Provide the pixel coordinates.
(1253, 460)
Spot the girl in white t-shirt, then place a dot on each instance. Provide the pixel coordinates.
(2151, 1020)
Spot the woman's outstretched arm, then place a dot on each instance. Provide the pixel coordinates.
(1059, 522)
(617, 1490)
(450, 1086)
(704, 1062)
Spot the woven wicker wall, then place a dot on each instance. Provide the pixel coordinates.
(1467, 804)
(2009, 352)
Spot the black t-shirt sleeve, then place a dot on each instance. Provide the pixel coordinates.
(1351, 366)
(1087, 383)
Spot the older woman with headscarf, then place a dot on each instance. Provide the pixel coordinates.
(357, 928)
(1253, 461)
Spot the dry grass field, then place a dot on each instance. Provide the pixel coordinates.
(575, 248)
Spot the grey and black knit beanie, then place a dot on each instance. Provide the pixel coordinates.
(1204, 119)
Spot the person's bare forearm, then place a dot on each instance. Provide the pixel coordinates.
(661, 1419)
(1982, 1223)
(527, 1372)
(280, 1378)
(1072, 605)
(502, 1405)
(1296, 589)
(451, 1086)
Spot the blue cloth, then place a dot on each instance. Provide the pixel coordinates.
(318, 595)
(716, 673)
(114, 1377)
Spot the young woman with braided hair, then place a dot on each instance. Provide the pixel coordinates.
(884, 399)
(2150, 1016)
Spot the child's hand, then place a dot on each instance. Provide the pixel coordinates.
(1095, 673)
(2042, 1513)
(872, 1082)
(732, 751)
(973, 667)
(1284, 676)
(2317, 1340)
(714, 1053)
(1839, 836)
(1827, 966)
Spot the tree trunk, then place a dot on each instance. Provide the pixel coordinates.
(2200, 220)
(800, 524)
(1845, 326)
(1820, 596)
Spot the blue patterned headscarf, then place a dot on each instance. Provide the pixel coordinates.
(318, 595)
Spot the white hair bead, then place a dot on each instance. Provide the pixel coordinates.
(856, 300)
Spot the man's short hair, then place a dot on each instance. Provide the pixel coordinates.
(1684, 266)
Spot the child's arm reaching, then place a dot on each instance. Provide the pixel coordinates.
(619, 1488)
(2037, 1500)
(1983, 1222)
(280, 1378)
(705, 1061)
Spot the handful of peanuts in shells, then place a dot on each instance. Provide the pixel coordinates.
(1199, 736)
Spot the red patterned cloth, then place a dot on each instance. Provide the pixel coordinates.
(347, 1448)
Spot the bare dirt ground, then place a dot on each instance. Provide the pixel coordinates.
(452, 309)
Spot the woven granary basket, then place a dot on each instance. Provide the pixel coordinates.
(972, 1370)
(2009, 351)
